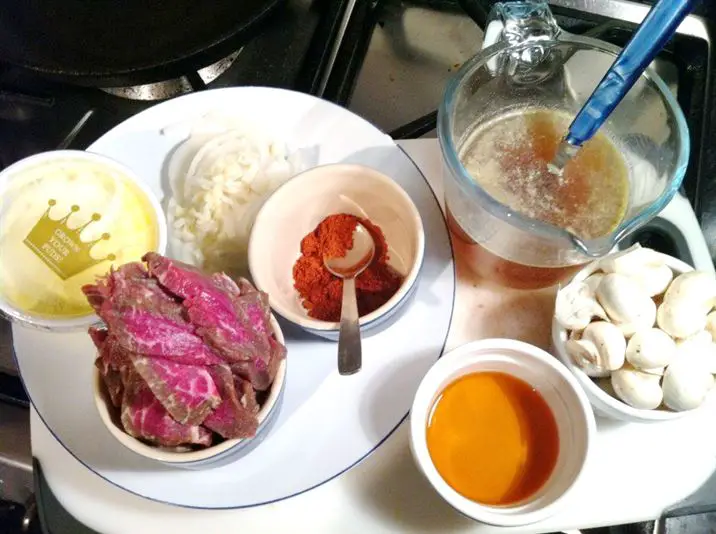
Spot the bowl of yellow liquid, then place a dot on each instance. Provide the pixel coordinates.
(65, 218)
(501, 430)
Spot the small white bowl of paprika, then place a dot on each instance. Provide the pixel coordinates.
(285, 250)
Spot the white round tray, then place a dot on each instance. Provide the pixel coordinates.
(327, 423)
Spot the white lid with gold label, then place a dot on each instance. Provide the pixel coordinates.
(66, 217)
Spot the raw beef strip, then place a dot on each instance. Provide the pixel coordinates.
(114, 354)
(245, 287)
(130, 285)
(247, 394)
(134, 270)
(144, 417)
(147, 294)
(110, 373)
(253, 305)
(144, 333)
(261, 371)
(94, 296)
(254, 308)
(188, 392)
(234, 418)
(249, 304)
(210, 308)
(97, 293)
(255, 371)
(277, 354)
(112, 379)
(98, 336)
(111, 353)
(226, 284)
(184, 280)
(227, 336)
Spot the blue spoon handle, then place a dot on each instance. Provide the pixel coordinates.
(651, 36)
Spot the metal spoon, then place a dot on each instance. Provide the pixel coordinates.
(348, 267)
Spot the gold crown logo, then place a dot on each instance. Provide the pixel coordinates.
(60, 246)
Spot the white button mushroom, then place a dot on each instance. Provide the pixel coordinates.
(636, 388)
(593, 281)
(650, 350)
(576, 306)
(585, 355)
(609, 342)
(702, 337)
(711, 324)
(686, 385)
(654, 280)
(700, 349)
(686, 303)
(695, 288)
(680, 321)
(631, 261)
(626, 303)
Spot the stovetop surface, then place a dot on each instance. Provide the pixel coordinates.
(38, 115)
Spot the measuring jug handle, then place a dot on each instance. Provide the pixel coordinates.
(520, 21)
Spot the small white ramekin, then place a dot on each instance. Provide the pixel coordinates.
(225, 452)
(558, 387)
(295, 210)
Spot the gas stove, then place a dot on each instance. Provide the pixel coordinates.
(294, 49)
(387, 60)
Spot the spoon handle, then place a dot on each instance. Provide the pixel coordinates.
(349, 345)
(656, 29)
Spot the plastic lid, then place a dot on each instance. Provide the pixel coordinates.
(65, 218)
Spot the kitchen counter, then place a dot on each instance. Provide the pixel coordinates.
(635, 473)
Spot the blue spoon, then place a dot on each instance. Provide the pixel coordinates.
(651, 36)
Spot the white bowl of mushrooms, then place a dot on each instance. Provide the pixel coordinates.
(638, 330)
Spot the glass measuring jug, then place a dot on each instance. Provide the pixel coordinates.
(531, 72)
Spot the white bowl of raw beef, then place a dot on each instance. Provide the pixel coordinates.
(211, 404)
(209, 457)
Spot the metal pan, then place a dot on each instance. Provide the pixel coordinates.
(124, 42)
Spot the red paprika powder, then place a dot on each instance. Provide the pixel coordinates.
(320, 291)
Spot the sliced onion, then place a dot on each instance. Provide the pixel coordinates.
(219, 179)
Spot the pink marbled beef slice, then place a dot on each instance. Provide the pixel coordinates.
(236, 415)
(187, 392)
(144, 417)
(142, 332)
